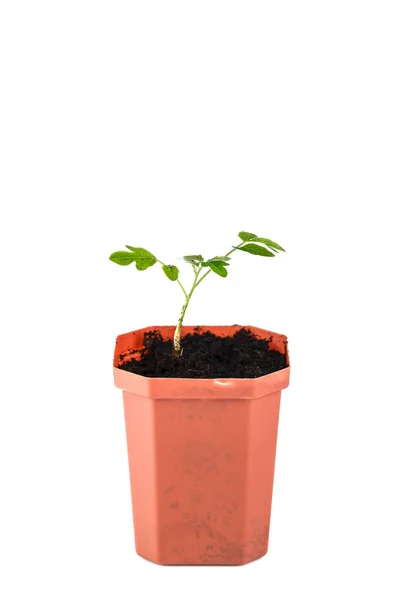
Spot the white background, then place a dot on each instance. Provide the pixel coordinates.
(174, 125)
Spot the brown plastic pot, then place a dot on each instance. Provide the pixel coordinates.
(201, 458)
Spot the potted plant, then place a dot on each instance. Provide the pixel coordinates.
(201, 410)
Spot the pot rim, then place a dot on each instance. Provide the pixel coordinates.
(184, 387)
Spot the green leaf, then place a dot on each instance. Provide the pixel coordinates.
(193, 258)
(219, 258)
(269, 243)
(143, 258)
(122, 258)
(142, 253)
(208, 263)
(218, 268)
(144, 263)
(222, 260)
(171, 272)
(255, 249)
(246, 236)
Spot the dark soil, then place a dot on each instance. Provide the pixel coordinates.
(207, 356)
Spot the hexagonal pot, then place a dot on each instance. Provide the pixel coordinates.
(201, 458)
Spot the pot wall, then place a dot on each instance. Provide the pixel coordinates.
(201, 459)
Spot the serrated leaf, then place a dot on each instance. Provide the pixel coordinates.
(122, 258)
(246, 235)
(171, 272)
(269, 243)
(193, 258)
(255, 249)
(218, 268)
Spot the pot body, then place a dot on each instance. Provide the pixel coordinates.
(201, 458)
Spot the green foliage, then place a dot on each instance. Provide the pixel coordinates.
(255, 249)
(122, 258)
(246, 236)
(219, 268)
(193, 259)
(171, 272)
(143, 258)
(251, 243)
(220, 258)
(144, 263)
(269, 243)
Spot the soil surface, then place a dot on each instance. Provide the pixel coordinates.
(207, 356)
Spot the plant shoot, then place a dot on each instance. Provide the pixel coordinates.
(250, 243)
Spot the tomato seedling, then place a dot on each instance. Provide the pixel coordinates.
(144, 259)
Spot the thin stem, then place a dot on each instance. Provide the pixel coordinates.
(177, 280)
(177, 334)
(209, 270)
(196, 282)
(182, 288)
(201, 278)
